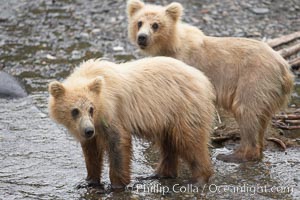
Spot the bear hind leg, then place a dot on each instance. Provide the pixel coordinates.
(198, 158)
(252, 128)
(168, 164)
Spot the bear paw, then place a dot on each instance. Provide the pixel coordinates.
(89, 183)
(237, 157)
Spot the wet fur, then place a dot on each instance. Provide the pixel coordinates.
(159, 99)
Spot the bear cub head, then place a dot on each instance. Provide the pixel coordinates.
(152, 26)
(72, 105)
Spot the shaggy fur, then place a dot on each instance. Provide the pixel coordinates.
(250, 79)
(159, 99)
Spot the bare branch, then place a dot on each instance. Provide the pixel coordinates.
(284, 39)
(286, 52)
(277, 141)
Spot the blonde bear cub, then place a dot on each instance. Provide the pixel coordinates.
(160, 99)
(250, 79)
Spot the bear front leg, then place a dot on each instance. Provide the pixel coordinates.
(93, 155)
(120, 151)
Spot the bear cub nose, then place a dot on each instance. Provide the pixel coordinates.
(142, 39)
(89, 132)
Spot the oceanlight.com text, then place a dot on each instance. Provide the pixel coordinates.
(212, 188)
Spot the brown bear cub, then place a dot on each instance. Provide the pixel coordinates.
(250, 79)
(159, 99)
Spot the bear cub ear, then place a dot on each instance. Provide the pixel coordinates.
(133, 6)
(56, 89)
(174, 10)
(96, 84)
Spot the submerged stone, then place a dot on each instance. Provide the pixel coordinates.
(10, 87)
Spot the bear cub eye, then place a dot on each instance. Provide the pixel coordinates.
(155, 26)
(91, 111)
(140, 23)
(75, 112)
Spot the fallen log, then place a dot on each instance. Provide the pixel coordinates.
(284, 39)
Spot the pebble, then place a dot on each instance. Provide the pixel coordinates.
(50, 57)
(207, 18)
(84, 35)
(118, 48)
(96, 31)
(254, 34)
(260, 11)
(76, 55)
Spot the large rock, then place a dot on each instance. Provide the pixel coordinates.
(10, 87)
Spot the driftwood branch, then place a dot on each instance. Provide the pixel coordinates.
(286, 127)
(289, 121)
(287, 116)
(223, 138)
(295, 63)
(292, 48)
(286, 52)
(284, 39)
(293, 121)
(219, 138)
(277, 141)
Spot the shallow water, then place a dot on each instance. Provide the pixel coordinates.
(40, 160)
(44, 40)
